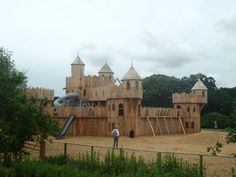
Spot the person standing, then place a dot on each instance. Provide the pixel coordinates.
(115, 133)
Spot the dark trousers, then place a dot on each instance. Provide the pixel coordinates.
(116, 138)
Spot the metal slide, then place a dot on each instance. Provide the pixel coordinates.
(66, 125)
(59, 102)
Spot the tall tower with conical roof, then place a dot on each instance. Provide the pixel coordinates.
(75, 82)
(125, 111)
(77, 67)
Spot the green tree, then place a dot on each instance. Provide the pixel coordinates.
(223, 121)
(220, 100)
(158, 90)
(188, 82)
(21, 117)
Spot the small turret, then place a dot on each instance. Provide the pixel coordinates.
(200, 89)
(132, 79)
(105, 71)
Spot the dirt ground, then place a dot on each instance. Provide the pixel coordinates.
(193, 143)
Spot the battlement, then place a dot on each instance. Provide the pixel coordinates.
(104, 92)
(40, 93)
(99, 93)
(82, 112)
(156, 112)
(97, 81)
(121, 92)
(189, 98)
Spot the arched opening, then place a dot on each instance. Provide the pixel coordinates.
(128, 85)
(188, 109)
(121, 109)
(55, 112)
(203, 93)
(84, 93)
(131, 134)
(178, 107)
(186, 124)
(192, 124)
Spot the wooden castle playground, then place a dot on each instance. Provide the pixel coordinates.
(93, 105)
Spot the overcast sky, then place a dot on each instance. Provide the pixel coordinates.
(172, 37)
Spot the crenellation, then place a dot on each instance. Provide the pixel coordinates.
(188, 98)
(40, 93)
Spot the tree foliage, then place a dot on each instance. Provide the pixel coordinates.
(231, 136)
(158, 90)
(214, 150)
(222, 121)
(21, 117)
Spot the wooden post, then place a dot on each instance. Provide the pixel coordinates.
(65, 149)
(181, 123)
(159, 160)
(168, 131)
(159, 125)
(151, 126)
(42, 150)
(92, 152)
(201, 165)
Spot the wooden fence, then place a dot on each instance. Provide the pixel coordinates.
(210, 166)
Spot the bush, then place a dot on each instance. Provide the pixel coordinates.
(112, 165)
(4, 171)
(231, 136)
(58, 160)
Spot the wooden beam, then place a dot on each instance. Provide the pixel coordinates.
(168, 131)
(159, 125)
(151, 126)
(181, 123)
(158, 116)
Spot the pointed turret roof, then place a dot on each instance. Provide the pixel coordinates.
(132, 74)
(105, 69)
(78, 61)
(199, 86)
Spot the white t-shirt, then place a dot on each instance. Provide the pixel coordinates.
(115, 132)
